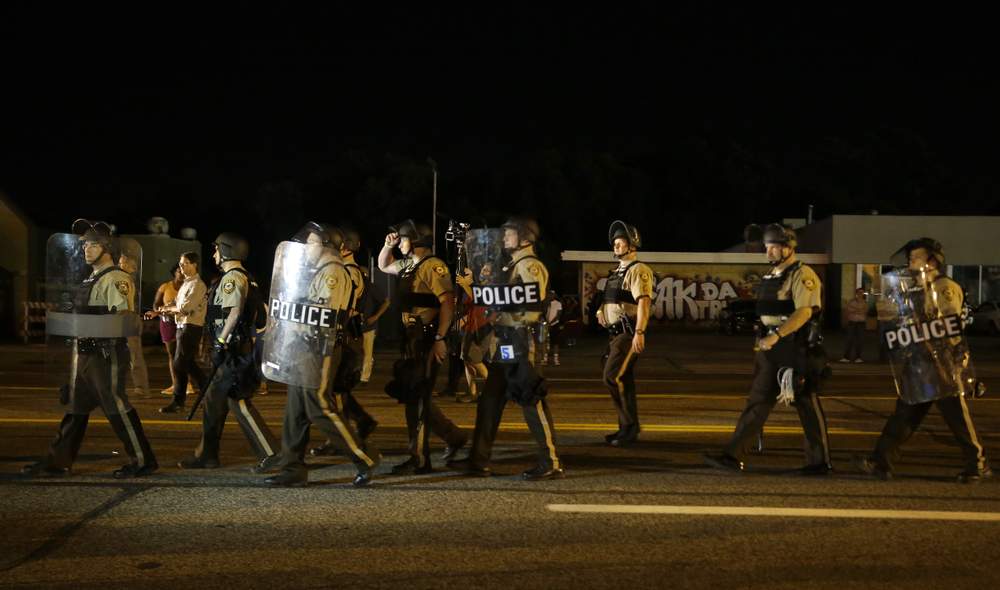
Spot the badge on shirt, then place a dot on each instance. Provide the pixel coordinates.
(122, 287)
(229, 287)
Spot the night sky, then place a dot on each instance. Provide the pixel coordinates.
(692, 122)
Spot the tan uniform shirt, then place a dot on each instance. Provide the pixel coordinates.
(116, 290)
(528, 270)
(803, 288)
(432, 277)
(232, 292)
(331, 287)
(638, 281)
(358, 281)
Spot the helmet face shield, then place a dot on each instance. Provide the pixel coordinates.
(527, 229)
(231, 246)
(776, 233)
(420, 235)
(901, 258)
(93, 231)
(329, 235)
(620, 229)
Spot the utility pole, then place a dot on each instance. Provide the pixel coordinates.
(434, 191)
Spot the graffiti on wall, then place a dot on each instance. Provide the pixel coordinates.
(689, 293)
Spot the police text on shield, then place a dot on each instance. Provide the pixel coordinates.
(506, 295)
(301, 313)
(946, 327)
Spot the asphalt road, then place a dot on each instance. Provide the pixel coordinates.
(651, 515)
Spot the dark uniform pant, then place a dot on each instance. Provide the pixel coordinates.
(788, 352)
(906, 418)
(619, 376)
(98, 380)
(423, 416)
(348, 375)
(188, 338)
(218, 404)
(326, 410)
(489, 413)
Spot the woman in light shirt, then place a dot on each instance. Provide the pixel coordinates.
(189, 313)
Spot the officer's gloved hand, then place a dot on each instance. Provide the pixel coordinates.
(786, 381)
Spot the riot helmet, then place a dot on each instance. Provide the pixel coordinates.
(526, 228)
(232, 246)
(782, 235)
(620, 229)
(419, 234)
(329, 234)
(99, 232)
(901, 258)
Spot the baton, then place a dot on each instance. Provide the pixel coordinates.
(201, 394)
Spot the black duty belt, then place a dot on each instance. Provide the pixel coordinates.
(92, 345)
(625, 325)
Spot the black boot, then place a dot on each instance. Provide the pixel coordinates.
(143, 459)
(66, 446)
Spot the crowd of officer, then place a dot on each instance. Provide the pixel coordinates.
(315, 344)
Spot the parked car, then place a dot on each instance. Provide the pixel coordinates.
(738, 316)
(986, 319)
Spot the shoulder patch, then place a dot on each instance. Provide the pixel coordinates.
(441, 270)
(122, 287)
(229, 286)
(535, 269)
(331, 281)
(809, 283)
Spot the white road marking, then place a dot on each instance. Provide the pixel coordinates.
(779, 512)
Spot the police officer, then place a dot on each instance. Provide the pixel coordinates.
(935, 296)
(330, 287)
(625, 314)
(520, 236)
(787, 298)
(99, 364)
(427, 303)
(353, 353)
(231, 322)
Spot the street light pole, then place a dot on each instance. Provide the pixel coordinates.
(434, 191)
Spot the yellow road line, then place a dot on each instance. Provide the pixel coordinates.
(520, 427)
(773, 511)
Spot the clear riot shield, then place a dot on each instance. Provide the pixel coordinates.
(493, 290)
(73, 316)
(928, 350)
(301, 325)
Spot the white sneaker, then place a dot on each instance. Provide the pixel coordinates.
(858, 361)
(169, 391)
(845, 360)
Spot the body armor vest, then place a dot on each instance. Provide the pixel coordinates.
(82, 303)
(613, 292)
(767, 294)
(407, 298)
